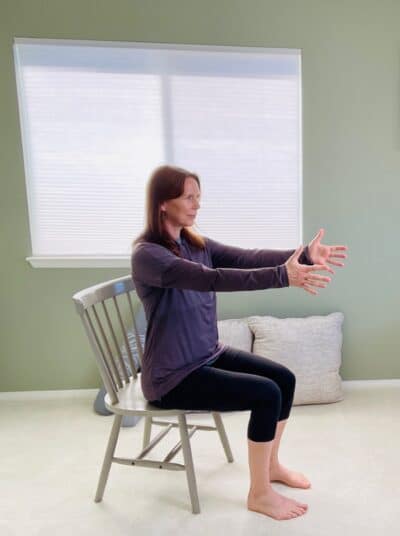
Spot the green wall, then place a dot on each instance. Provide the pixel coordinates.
(351, 142)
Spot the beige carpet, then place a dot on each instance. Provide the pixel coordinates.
(52, 448)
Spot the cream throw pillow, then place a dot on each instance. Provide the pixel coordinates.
(310, 347)
(235, 332)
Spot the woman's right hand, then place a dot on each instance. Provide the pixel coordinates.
(300, 275)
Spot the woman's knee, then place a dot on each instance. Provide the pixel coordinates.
(286, 380)
(290, 379)
(268, 393)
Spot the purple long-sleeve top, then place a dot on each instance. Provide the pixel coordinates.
(178, 296)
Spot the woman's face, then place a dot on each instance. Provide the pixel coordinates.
(182, 211)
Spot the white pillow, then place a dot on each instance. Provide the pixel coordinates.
(235, 332)
(310, 347)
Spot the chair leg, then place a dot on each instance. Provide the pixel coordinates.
(112, 442)
(187, 456)
(222, 434)
(147, 431)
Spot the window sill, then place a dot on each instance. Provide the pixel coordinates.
(112, 261)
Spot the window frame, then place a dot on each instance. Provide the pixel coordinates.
(123, 261)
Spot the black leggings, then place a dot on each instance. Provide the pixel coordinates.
(238, 380)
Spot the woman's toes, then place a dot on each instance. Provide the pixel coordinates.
(299, 511)
(302, 505)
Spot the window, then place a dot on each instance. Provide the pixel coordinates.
(98, 117)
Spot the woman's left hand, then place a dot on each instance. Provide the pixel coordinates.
(321, 254)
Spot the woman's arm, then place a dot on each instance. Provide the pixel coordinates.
(156, 266)
(224, 256)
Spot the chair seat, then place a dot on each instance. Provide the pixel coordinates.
(133, 402)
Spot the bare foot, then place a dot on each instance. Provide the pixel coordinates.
(275, 505)
(293, 479)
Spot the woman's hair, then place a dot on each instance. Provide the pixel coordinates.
(166, 182)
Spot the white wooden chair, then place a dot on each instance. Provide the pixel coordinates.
(107, 312)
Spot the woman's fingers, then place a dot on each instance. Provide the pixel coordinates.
(317, 277)
(316, 280)
(309, 289)
(297, 253)
(322, 282)
(311, 279)
(317, 267)
(315, 284)
(334, 263)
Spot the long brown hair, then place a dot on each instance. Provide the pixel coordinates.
(166, 182)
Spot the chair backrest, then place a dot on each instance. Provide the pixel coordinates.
(107, 312)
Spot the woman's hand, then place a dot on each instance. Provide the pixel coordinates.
(300, 275)
(321, 254)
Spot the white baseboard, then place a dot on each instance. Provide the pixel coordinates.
(46, 395)
(392, 382)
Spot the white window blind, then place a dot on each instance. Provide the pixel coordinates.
(97, 118)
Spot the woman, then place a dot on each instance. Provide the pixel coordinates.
(176, 273)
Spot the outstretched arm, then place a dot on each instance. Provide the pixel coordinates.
(224, 256)
(156, 266)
